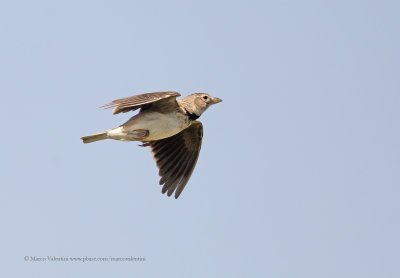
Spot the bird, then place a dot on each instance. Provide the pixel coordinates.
(169, 126)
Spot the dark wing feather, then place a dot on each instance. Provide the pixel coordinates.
(176, 157)
(132, 103)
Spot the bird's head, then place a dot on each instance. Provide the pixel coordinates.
(198, 103)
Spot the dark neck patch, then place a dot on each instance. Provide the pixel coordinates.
(192, 116)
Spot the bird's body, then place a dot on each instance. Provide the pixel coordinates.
(159, 126)
(168, 126)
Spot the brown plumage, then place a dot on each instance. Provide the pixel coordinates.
(140, 101)
(177, 156)
(169, 127)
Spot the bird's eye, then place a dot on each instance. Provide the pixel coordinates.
(205, 97)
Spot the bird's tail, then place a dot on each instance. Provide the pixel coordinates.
(95, 137)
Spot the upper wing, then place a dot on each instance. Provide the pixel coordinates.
(132, 103)
(176, 157)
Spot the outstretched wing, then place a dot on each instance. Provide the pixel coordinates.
(176, 157)
(132, 103)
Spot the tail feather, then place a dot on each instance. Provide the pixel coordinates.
(94, 137)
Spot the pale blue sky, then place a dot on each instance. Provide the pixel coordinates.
(299, 170)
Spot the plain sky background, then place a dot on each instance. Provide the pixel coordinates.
(299, 171)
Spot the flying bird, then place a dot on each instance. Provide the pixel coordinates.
(168, 126)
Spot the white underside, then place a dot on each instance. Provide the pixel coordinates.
(159, 125)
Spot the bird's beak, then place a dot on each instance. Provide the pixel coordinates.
(215, 100)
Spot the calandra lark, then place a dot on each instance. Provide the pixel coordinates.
(169, 127)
